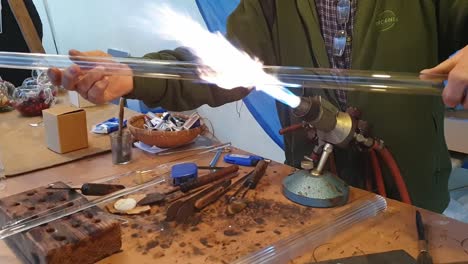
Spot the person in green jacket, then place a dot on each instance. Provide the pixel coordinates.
(384, 35)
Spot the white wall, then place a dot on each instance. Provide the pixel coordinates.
(103, 24)
(242, 130)
(47, 40)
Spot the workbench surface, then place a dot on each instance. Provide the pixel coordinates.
(214, 237)
(21, 144)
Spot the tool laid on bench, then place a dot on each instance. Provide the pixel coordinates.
(94, 189)
(215, 159)
(158, 197)
(236, 202)
(243, 160)
(181, 211)
(423, 257)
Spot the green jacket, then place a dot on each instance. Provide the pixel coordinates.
(389, 35)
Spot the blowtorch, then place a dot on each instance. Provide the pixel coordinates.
(313, 185)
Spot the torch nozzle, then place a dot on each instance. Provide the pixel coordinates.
(331, 125)
(318, 112)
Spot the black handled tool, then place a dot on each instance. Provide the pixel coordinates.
(93, 189)
(424, 257)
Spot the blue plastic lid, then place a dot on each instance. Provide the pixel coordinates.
(184, 170)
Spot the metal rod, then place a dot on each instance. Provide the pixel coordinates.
(45, 212)
(208, 149)
(216, 158)
(292, 77)
(327, 150)
(209, 168)
(63, 188)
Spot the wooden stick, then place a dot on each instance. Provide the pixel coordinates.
(121, 115)
(26, 25)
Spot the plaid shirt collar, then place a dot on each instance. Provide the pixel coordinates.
(326, 10)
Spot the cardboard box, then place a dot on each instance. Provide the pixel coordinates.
(77, 100)
(65, 128)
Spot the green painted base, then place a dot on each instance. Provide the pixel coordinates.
(324, 191)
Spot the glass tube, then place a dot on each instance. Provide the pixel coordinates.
(46, 218)
(158, 174)
(293, 77)
(303, 241)
(2, 174)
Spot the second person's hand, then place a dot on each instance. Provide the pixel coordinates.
(456, 68)
(96, 85)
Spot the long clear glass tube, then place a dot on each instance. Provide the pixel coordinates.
(299, 243)
(20, 225)
(46, 218)
(294, 77)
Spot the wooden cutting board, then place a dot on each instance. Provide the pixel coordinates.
(23, 147)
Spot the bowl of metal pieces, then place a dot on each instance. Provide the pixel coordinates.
(165, 130)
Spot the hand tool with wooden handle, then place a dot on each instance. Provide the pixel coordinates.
(157, 197)
(216, 194)
(189, 208)
(257, 174)
(252, 179)
(174, 208)
(211, 197)
(200, 181)
(236, 205)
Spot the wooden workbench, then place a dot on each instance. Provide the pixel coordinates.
(216, 238)
(21, 144)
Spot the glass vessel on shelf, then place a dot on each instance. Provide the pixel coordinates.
(6, 89)
(31, 99)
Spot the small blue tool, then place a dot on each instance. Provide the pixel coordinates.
(182, 173)
(243, 160)
(216, 158)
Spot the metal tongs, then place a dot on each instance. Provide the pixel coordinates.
(237, 201)
(182, 210)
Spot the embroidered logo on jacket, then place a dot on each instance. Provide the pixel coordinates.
(386, 20)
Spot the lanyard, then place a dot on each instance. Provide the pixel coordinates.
(1, 17)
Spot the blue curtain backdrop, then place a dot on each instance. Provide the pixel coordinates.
(262, 106)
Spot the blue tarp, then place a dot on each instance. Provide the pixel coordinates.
(262, 106)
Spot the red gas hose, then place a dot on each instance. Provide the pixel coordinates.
(369, 181)
(377, 174)
(392, 165)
